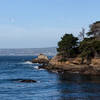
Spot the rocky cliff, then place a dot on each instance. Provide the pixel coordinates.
(73, 65)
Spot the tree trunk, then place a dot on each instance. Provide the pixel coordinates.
(82, 61)
(88, 60)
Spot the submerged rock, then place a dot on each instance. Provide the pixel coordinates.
(27, 81)
(24, 80)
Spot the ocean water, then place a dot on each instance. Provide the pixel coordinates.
(49, 86)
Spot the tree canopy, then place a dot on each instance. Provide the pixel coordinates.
(87, 48)
(67, 45)
(94, 29)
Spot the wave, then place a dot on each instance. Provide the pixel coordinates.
(41, 69)
(37, 67)
(28, 62)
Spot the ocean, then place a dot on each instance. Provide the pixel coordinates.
(49, 85)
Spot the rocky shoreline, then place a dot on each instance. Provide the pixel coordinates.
(73, 67)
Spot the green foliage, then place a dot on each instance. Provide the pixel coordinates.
(86, 47)
(89, 47)
(89, 33)
(94, 29)
(66, 45)
(96, 45)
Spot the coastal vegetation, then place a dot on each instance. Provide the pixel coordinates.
(67, 47)
(76, 55)
(86, 46)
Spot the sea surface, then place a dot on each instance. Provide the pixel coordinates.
(49, 85)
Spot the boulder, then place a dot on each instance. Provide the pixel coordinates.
(42, 59)
(76, 61)
(95, 62)
(56, 60)
(42, 56)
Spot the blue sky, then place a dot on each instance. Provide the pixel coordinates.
(41, 23)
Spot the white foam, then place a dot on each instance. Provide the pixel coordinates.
(36, 67)
(41, 69)
(28, 62)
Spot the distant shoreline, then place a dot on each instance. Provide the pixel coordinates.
(51, 51)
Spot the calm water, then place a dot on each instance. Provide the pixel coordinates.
(49, 86)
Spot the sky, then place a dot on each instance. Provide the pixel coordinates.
(41, 23)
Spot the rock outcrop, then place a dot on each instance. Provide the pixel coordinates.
(42, 59)
(74, 65)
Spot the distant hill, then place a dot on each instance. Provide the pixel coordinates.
(51, 51)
